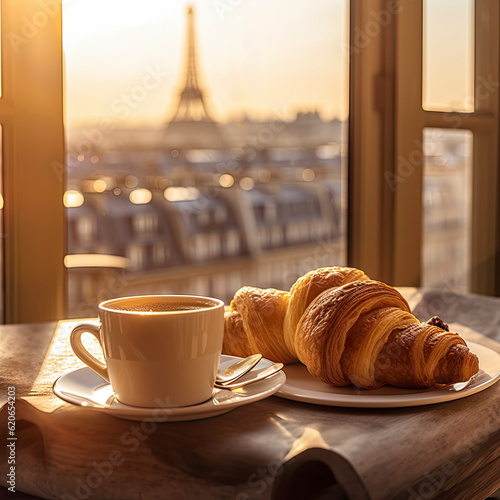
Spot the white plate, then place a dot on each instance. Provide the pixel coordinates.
(85, 388)
(300, 385)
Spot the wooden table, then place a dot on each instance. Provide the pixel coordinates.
(272, 449)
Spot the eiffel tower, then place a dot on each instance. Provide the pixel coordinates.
(191, 125)
(191, 105)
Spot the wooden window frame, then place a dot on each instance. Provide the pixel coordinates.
(31, 114)
(386, 124)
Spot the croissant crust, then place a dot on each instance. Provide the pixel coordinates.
(346, 329)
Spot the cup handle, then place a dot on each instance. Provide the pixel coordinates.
(82, 353)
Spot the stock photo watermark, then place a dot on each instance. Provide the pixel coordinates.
(255, 142)
(223, 7)
(120, 108)
(406, 166)
(436, 479)
(115, 285)
(262, 479)
(130, 441)
(31, 26)
(11, 439)
(378, 20)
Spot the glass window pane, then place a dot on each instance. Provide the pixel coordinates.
(447, 207)
(206, 145)
(448, 55)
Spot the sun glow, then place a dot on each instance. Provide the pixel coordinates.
(111, 46)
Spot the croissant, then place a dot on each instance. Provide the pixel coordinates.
(363, 333)
(347, 329)
(254, 323)
(265, 321)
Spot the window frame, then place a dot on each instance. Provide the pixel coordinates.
(386, 195)
(31, 114)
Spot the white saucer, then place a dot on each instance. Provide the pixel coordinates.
(302, 386)
(84, 387)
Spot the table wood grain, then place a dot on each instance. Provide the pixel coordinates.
(272, 449)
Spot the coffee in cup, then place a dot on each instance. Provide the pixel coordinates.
(159, 350)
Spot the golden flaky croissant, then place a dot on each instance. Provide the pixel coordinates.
(346, 329)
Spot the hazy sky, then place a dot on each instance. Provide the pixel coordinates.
(448, 54)
(269, 58)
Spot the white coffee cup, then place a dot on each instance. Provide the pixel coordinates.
(159, 350)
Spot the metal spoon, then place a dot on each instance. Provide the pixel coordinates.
(259, 375)
(237, 369)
